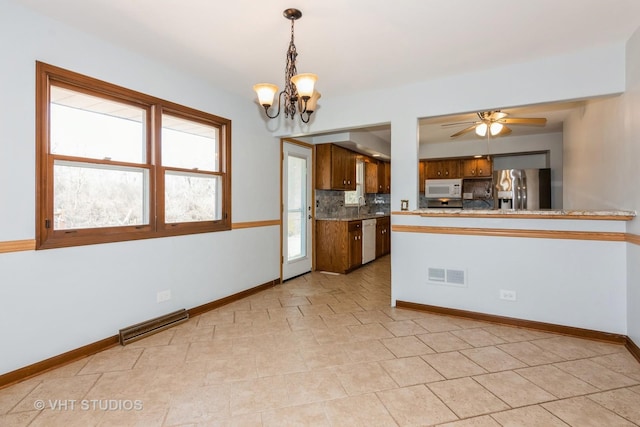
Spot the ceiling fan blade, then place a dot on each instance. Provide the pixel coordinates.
(458, 124)
(505, 131)
(469, 129)
(524, 121)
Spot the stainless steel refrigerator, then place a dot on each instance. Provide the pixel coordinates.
(520, 189)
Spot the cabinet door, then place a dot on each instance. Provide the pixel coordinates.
(483, 167)
(371, 177)
(469, 168)
(387, 177)
(421, 175)
(355, 244)
(379, 239)
(451, 168)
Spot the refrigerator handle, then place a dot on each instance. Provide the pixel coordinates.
(523, 189)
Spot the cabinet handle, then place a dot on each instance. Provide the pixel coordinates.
(480, 172)
(446, 173)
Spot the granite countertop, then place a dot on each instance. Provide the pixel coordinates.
(546, 213)
(353, 217)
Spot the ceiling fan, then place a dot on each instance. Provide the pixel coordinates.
(494, 123)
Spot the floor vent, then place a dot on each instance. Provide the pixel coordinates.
(150, 327)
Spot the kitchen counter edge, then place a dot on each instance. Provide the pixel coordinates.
(353, 218)
(615, 215)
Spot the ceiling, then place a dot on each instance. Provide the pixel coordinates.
(234, 44)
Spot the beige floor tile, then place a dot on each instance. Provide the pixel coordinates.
(334, 335)
(145, 417)
(333, 320)
(556, 381)
(402, 328)
(515, 334)
(284, 313)
(417, 405)
(635, 389)
(315, 309)
(367, 351)
(258, 395)
(69, 370)
(530, 354)
(20, 419)
(216, 349)
(453, 365)
(530, 416)
(466, 397)
(311, 323)
(483, 421)
(406, 346)
(576, 348)
(623, 363)
(324, 355)
(279, 363)
(493, 359)
(315, 386)
(443, 342)
(244, 420)
(215, 317)
(11, 396)
(228, 370)
(584, 412)
(402, 313)
(370, 412)
(67, 418)
(199, 405)
(121, 359)
(52, 391)
(345, 307)
(370, 331)
(435, 323)
(165, 356)
(622, 401)
(362, 378)
(303, 415)
(189, 335)
(251, 316)
(596, 375)
(294, 301)
(513, 389)
(410, 371)
(478, 337)
(373, 316)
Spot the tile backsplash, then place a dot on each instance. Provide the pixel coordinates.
(330, 204)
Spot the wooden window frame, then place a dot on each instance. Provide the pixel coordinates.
(47, 237)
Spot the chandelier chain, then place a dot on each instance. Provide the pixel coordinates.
(290, 91)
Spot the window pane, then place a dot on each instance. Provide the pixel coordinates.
(296, 200)
(96, 128)
(192, 197)
(189, 145)
(91, 196)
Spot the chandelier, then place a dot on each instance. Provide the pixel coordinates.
(299, 94)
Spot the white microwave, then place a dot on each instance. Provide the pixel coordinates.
(443, 188)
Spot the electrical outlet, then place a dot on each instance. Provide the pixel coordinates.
(507, 295)
(163, 296)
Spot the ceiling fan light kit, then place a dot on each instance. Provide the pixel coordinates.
(299, 92)
(493, 123)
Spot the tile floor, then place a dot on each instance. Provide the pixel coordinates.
(325, 350)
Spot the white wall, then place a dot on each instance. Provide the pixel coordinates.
(56, 300)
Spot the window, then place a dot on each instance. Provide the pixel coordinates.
(115, 165)
(352, 198)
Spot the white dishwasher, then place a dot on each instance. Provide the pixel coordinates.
(368, 240)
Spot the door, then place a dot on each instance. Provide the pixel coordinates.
(297, 170)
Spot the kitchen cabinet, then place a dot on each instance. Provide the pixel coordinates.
(473, 168)
(383, 236)
(377, 177)
(422, 168)
(335, 168)
(338, 245)
(371, 177)
(439, 169)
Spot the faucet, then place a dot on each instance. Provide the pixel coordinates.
(361, 202)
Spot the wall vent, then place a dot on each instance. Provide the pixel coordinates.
(447, 276)
(144, 329)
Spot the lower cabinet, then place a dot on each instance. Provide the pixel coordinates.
(338, 245)
(383, 236)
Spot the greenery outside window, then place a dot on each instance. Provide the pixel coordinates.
(115, 165)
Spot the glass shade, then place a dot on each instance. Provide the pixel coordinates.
(266, 92)
(481, 129)
(304, 83)
(495, 128)
(312, 102)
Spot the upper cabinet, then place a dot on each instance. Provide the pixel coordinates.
(384, 177)
(335, 168)
(439, 169)
(377, 176)
(473, 168)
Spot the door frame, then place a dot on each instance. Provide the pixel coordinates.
(313, 197)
